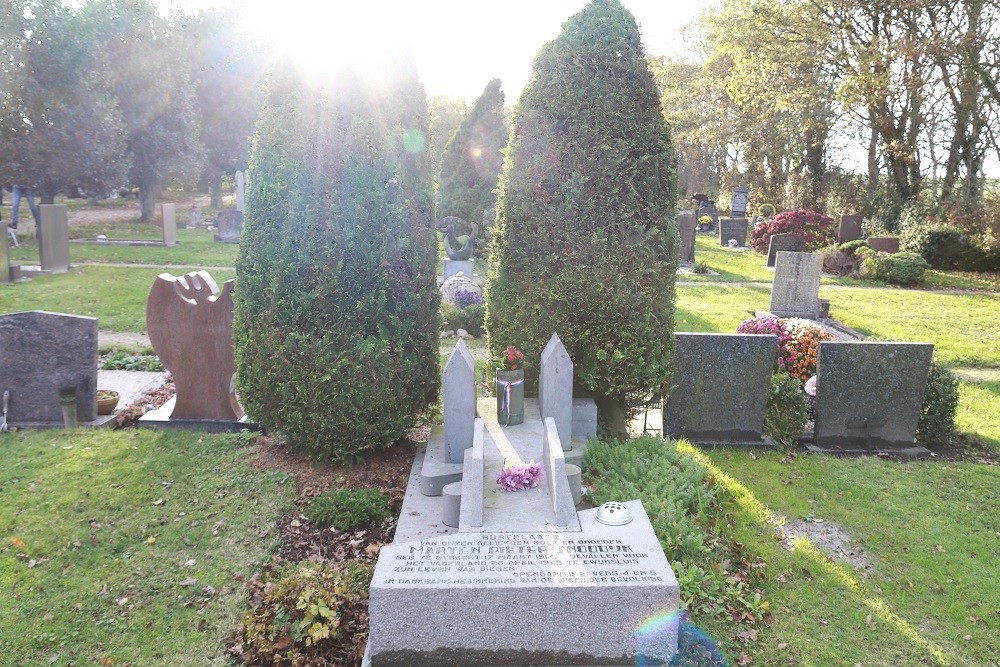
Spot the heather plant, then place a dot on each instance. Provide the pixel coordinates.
(815, 229)
(465, 298)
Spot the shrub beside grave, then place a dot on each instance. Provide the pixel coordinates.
(937, 415)
(940, 244)
(786, 413)
(901, 268)
(336, 306)
(815, 229)
(347, 509)
(585, 238)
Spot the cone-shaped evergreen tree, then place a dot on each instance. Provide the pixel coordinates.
(472, 159)
(586, 236)
(336, 300)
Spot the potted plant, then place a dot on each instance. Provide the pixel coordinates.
(509, 386)
(107, 401)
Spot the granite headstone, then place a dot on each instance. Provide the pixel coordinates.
(459, 395)
(230, 224)
(41, 353)
(870, 390)
(850, 228)
(456, 284)
(722, 383)
(785, 242)
(53, 241)
(733, 228)
(889, 244)
(687, 225)
(709, 211)
(168, 216)
(555, 388)
(795, 290)
(738, 208)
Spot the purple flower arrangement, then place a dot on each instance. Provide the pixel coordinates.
(770, 325)
(464, 298)
(519, 476)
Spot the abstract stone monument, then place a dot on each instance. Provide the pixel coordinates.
(42, 353)
(53, 238)
(459, 237)
(795, 290)
(230, 224)
(687, 225)
(190, 324)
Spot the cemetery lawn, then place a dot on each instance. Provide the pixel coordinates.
(129, 547)
(929, 593)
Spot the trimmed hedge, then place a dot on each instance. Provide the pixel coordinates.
(336, 305)
(586, 238)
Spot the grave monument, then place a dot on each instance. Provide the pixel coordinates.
(687, 225)
(459, 243)
(738, 208)
(733, 229)
(795, 290)
(849, 229)
(168, 216)
(53, 238)
(782, 242)
(889, 244)
(230, 224)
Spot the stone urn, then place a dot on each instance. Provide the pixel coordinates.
(509, 389)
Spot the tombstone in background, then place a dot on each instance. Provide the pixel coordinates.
(738, 208)
(687, 225)
(168, 215)
(194, 217)
(41, 353)
(722, 385)
(230, 224)
(782, 242)
(850, 228)
(241, 187)
(53, 239)
(711, 212)
(889, 244)
(4, 257)
(735, 229)
(190, 324)
(459, 283)
(459, 394)
(795, 291)
(555, 389)
(870, 393)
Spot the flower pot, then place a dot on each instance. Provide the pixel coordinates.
(509, 389)
(106, 406)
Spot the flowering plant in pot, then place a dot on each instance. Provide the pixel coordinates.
(509, 386)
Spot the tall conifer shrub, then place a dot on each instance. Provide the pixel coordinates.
(586, 237)
(336, 300)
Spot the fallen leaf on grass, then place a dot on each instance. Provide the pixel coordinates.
(121, 602)
(808, 574)
(744, 660)
(868, 620)
(190, 581)
(41, 561)
(17, 542)
(191, 562)
(939, 548)
(48, 616)
(749, 635)
(782, 646)
(151, 540)
(107, 662)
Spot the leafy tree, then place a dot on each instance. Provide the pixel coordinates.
(446, 113)
(586, 238)
(155, 94)
(60, 125)
(336, 310)
(472, 160)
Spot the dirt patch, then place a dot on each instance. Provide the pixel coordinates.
(829, 538)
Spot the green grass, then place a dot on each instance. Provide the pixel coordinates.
(115, 295)
(115, 522)
(196, 247)
(731, 265)
(718, 308)
(979, 411)
(916, 602)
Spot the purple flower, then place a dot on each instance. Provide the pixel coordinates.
(519, 476)
(464, 298)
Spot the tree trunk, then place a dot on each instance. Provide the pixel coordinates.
(147, 201)
(613, 416)
(215, 187)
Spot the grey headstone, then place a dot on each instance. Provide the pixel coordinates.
(850, 228)
(710, 211)
(554, 462)
(555, 388)
(525, 598)
(738, 208)
(42, 352)
(472, 479)
(456, 284)
(795, 291)
(459, 392)
(782, 242)
(687, 225)
(584, 418)
(240, 192)
(230, 224)
(168, 213)
(53, 242)
(452, 267)
(881, 384)
(4, 255)
(194, 218)
(721, 387)
(733, 228)
(889, 244)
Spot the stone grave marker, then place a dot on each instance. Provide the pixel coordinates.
(785, 242)
(722, 385)
(738, 208)
(687, 225)
(459, 392)
(168, 216)
(711, 212)
(194, 217)
(190, 325)
(4, 255)
(230, 224)
(733, 228)
(555, 388)
(850, 228)
(456, 284)
(240, 192)
(889, 244)
(41, 353)
(795, 290)
(53, 239)
(452, 267)
(871, 390)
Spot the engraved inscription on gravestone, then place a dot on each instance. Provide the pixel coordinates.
(785, 242)
(733, 229)
(738, 209)
(795, 290)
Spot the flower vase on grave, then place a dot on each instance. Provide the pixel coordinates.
(509, 387)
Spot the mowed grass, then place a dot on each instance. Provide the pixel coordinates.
(979, 411)
(127, 547)
(115, 295)
(930, 595)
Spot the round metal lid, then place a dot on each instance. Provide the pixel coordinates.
(613, 514)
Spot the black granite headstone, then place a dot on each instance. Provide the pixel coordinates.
(733, 228)
(738, 208)
(786, 242)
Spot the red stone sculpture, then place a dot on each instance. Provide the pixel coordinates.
(190, 324)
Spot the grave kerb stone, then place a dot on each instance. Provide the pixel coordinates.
(168, 214)
(53, 241)
(555, 388)
(459, 393)
(795, 290)
(473, 480)
(782, 242)
(555, 473)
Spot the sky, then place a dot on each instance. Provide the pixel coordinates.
(459, 45)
